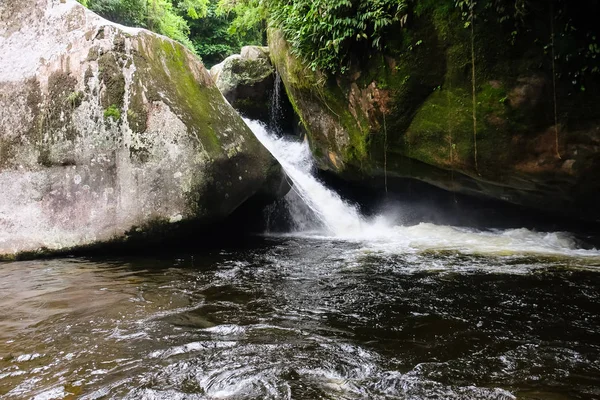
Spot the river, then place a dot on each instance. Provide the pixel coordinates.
(340, 306)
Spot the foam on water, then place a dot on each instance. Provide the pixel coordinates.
(320, 213)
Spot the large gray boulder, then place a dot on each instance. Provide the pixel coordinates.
(106, 131)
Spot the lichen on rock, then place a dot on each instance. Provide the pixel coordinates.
(105, 130)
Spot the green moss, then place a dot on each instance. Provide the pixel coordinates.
(318, 152)
(357, 128)
(111, 75)
(75, 98)
(137, 114)
(297, 75)
(187, 89)
(112, 112)
(248, 71)
(57, 118)
(442, 123)
(93, 53)
(26, 255)
(441, 133)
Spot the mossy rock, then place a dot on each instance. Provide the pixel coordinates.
(414, 111)
(246, 80)
(124, 131)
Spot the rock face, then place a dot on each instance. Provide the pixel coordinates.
(411, 113)
(246, 80)
(107, 131)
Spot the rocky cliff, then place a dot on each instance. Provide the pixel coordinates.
(520, 131)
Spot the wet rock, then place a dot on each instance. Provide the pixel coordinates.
(108, 132)
(409, 113)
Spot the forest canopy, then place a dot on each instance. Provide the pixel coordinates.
(198, 24)
(327, 34)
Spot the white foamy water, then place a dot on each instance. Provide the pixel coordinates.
(427, 236)
(321, 213)
(336, 216)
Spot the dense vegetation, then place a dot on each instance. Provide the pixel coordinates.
(331, 34)
(324, 32)
(198, 24)
(328, 34)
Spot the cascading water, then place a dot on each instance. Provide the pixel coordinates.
(318, 212)
(276, 108)
(329, 210)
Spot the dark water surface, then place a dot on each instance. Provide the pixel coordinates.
(303, 319)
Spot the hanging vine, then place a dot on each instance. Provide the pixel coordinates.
(554, 78)
(472, 23)
(468, 8)
(451, 144)
(385, 148)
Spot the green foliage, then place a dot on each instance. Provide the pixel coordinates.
(198, 24)
(329, 35)
(248, 15)
(162, 18)
(324, 33)
(126, 12)
(194, 9)
(213, 38)
(112, 112)
(167, 17)
(75, 98)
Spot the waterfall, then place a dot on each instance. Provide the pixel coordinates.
(276, 111)
(319, 212)
(312, 204)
